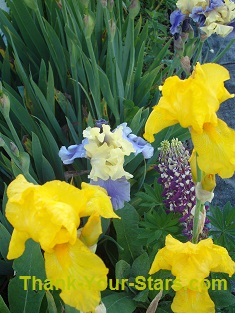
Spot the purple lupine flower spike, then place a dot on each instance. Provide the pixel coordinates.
(176, 179)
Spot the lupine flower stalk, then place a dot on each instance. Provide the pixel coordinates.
(176, 179)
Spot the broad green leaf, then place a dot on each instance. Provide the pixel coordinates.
(223, 230)
(119, 302)
(140, 266)
(222, 298)
(25, 294)
(127, 228)
(122, 269)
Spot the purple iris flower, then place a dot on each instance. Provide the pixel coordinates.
(198, 16)
(139, 144)
(73, 152)
(198, 13)
(176, 18)
(118, 190)
(99, 123)
(214, 4)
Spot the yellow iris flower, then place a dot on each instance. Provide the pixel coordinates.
(50, 215)
(191, 264)
(193, 103)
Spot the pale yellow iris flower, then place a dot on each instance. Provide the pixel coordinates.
(186, 6)
(50, 214)
(193, 103)
(191, 264)
(107, 150)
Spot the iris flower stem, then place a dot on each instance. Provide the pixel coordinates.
(198, 55)
(198, 210)
(199, 207)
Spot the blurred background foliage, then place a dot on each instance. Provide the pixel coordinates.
(67, 63)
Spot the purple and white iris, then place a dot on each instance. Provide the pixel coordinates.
(118, 189)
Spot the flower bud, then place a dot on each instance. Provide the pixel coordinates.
(203, 36)
(110, 5)
(103, 3)
(24, 161)
(191, 32)
(89, 25)
(185, 63)
(14, 149)
(91, 231)
(32, 4)
(112, 27)
(134, 8)
(178, 45)
(193, 165)
(4, 104)
(85, 3)
(208, 182)
(184, 36)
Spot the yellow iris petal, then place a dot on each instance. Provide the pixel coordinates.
(159, 119)
(216, 149)
(17, 244)
(79, 273)
(61, 191)
(186, 301)
(214, 75)
(97, 201)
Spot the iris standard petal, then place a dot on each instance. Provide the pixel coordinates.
(79, 273)
(176, 18)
